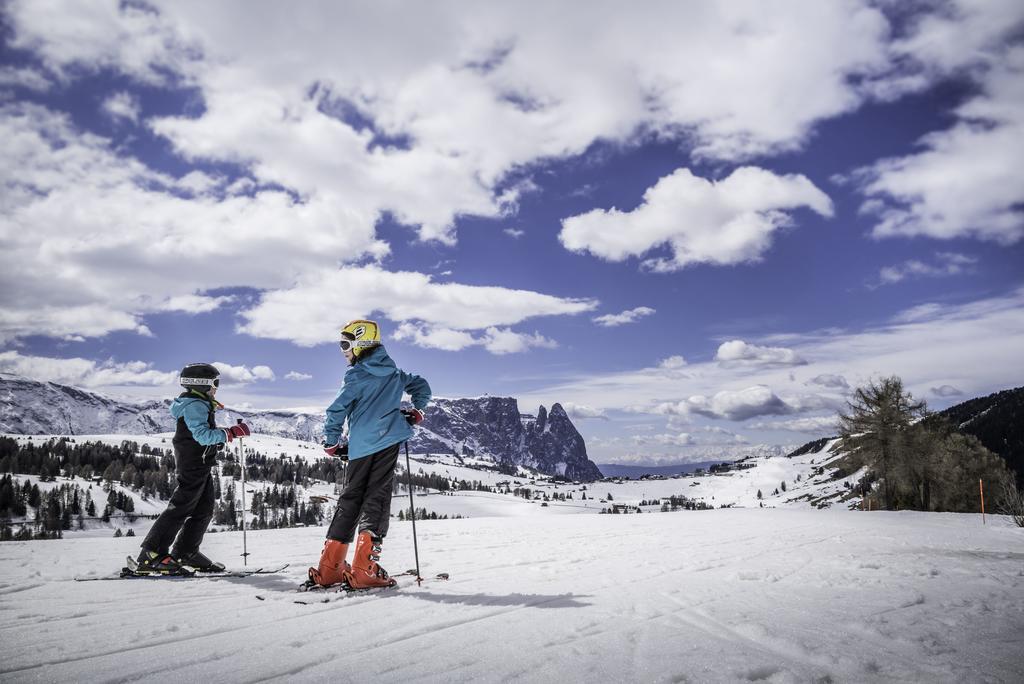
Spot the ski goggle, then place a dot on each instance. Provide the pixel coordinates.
(201, 382)
(348, 345)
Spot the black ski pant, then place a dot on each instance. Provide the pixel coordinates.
(366, 499)
(188, 513)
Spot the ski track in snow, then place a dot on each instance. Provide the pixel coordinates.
(729, 595)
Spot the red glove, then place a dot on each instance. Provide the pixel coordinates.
(340, 450)
(413, 416)
(239, 430)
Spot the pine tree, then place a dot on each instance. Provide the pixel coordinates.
(877, 418)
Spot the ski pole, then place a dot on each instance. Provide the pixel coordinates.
(412, 508)
(241, 460)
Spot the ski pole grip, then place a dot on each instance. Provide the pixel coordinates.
(239, 421)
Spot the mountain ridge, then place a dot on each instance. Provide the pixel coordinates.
(489, 427)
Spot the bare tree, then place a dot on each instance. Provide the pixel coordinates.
(1012, 501)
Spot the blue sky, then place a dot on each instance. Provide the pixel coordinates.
(697, 227)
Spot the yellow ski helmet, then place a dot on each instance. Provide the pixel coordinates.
(359, 336)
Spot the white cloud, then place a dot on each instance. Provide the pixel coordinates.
(816, 425)
(725, 222)
(71, 322)
(126, 37)
(738, 352)
(318, 127)
(504, 341)
(961, 33)
(945, 264)
(75, 211)
(677, 439)
(946, 391)
(961, 182)
(628, 316)
(495, 340)
(193, 303)
(973, 346)
(92, 241)
(308, 313)
(434, 337)
(243, 374)
(830, 380)
(672, 363)
(678, 409)
(198, 183)
(296, 375)
(650, 455)
(119, 228)
(262, 373)
(24, 77)
(738, 405)
(759, 400)
(312, 123)
(122, 105)
(84, 372)
(712, 434)
(514, 232)
(583, 412)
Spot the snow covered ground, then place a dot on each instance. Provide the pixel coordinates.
(779, 595)
(736, 488)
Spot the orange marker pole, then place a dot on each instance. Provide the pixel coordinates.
(981, 488)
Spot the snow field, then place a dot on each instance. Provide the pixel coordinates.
(784, 595)
(735, 488)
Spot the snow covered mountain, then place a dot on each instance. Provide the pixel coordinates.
(28, 407)
(486, 427)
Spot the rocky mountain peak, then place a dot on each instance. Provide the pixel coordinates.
(486, 427)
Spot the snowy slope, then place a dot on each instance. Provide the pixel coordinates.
(736, 488)
(784, 595)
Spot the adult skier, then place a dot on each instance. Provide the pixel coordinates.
(197, 439)
(370, 399)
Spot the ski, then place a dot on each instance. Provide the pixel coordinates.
(329, 594)
(128, 572)
(315, 594)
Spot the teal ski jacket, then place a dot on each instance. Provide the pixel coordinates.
(196, 413)
(371, 399)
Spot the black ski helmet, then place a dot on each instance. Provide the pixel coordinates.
(200, 377)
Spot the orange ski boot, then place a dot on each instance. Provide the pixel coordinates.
(332, 568)
(366, 573)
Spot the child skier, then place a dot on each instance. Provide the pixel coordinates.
(197, 440)
(371, 401)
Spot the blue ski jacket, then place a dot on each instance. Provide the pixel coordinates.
(196, 413)
(371, 398)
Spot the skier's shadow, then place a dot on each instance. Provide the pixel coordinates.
(525, 600)
(275, 584)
